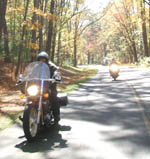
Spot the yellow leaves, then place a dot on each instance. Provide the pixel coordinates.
(36, 26)
(39, 12)
(27, 23)
(34, 46)
(33, 54)
(32, 26)
(80, 1)
(51, 16)
(16, 10)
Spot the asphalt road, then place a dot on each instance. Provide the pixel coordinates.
(105, 119)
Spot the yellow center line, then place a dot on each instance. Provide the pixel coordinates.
(139, 104)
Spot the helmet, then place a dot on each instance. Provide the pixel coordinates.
(43, 54)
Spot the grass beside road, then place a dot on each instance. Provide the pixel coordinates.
(71, 78)
(75, 78)
(7, 119)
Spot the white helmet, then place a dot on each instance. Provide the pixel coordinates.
(43, 54)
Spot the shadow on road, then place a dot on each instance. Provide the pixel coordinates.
(47, 140)
(107, 108)
(110, 103)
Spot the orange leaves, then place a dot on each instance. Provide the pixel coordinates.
(32, 10)
(34, 54)
(32, 26)
(16, 10)
(34, 46)
(51, 16)
(36, 26)
(39, 12)
(27, 23)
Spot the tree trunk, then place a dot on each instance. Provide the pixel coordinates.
(75, 46)
(3, 5)
(6, 42)
(50, 30)
(129, 50)
(54, 32)
(34, 19)
(144, 30)
(43, 6)
(76, 34)
(60, 13)
(134, 51)
(59, 48)
(105, 49)
(54, 43)
(89, 57)
(3, 29)
(22, 40)
(149, 30)
(41, 29)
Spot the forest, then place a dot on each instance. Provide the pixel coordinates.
(72, 34)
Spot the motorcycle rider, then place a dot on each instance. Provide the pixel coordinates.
(113, 62)
(43, 57)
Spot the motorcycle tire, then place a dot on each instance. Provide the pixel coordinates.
(30, 125)
(114, 76)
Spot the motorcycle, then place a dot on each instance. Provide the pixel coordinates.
(114, 71)
(38, 112)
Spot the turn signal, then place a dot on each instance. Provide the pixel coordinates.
(46, 95)
(22, 96)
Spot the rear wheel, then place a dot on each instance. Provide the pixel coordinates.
(30, 125)
(115, 78)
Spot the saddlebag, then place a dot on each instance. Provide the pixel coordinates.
(63, 99)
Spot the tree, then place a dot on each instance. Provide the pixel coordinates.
(50, 28)
(22, 40)
(34, 28)
(144, 29)
(3, 28)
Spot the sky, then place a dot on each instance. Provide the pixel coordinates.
(96, 5)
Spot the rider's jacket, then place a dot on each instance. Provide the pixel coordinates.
(52, 68)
